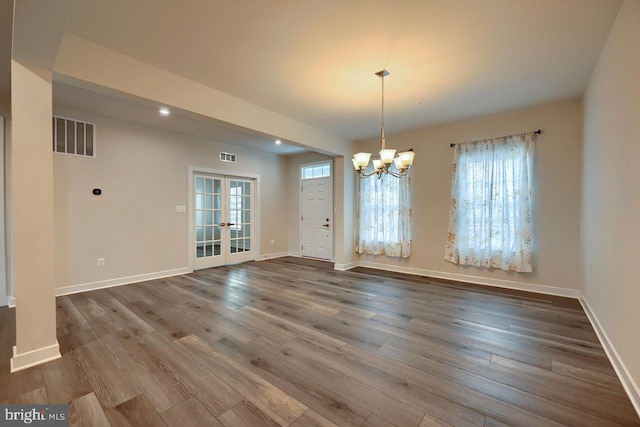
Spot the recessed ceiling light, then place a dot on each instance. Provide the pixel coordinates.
(164, 112)
(278, 142)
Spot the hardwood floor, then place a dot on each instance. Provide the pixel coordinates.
(292, 342)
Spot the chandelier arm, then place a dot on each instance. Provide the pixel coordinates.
(363, 175)
(400, 174)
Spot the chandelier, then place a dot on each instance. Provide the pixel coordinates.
(382, 163)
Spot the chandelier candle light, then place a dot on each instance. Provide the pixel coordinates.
(382, 163)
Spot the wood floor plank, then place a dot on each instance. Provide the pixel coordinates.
(279, 406)
(547, 412)
(19, 383)
(401, 388)
(376, 421)
(245, 414)
(63, 381)
(86, 411)
(68, 315)
(429, 421)
(321, 399)
(550, 385)
(212, 392)
(96, 364)
(33, 397)
(134, 412)
(374, 400)
(150, 375)
(154, 316)
(586, 375)
(293, 342)
(121, 314)
(312, 419)
(101, 322)
(309, 334)
(192, 412)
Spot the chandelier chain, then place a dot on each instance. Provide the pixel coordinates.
(382, 114)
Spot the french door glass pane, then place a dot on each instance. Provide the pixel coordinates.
(208, 236)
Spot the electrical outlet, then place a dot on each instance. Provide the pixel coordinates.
(273, 242)
(100, 262)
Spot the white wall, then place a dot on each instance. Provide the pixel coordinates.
(611, 190)
(142, 172)
(3, 270)
(557, 197)
(5, 113)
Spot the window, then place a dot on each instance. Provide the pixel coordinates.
(73, 137)
(315, 171)
(490, 211)
(384, 216)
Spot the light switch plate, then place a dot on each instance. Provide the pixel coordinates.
(181, 208)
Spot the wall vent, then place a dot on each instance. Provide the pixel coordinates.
(74, 137)
(227, 157)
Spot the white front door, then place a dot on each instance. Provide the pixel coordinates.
(317, 218)
(223, 220)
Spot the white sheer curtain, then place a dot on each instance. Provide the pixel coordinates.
(490, 212)
(384, 216)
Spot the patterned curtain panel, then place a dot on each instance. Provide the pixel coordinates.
(384, 216)
(490, 212)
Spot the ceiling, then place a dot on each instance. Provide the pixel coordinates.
(140, 111)
(314, 60)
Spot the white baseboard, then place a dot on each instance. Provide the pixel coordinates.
(11, 301)
(630, 386)
(345, 267)
(295, 254)
(34, 357)
(272, 256)
(500, 283)
(84, 287)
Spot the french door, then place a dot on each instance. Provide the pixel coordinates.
(223, 220)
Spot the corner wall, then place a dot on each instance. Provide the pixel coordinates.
(32, 213)
(557, 265)
(611, 194)
(134, 225)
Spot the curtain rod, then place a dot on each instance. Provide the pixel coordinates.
(537, 132)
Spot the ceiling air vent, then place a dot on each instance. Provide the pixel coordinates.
(74, 137)
(227, 157)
